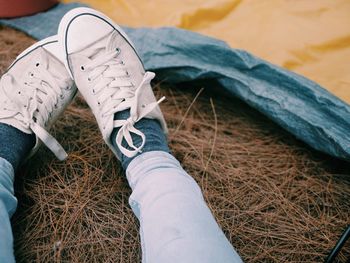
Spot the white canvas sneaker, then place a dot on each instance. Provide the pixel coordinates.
(109, 74)
(34, 91)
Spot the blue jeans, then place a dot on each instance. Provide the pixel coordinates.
(8, 204)
(175, 223)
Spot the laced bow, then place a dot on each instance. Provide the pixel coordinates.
(115, 92)
(33, 104)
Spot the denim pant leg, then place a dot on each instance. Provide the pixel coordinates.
(8, 204)
(175, 223)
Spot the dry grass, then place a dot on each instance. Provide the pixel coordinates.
(276, 199)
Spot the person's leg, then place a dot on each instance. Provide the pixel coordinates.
(34, 91)
(175, 223)
(15, 145)
(8, 204)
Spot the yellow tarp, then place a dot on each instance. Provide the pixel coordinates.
(310, 37)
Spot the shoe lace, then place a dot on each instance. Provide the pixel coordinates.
(115, 92)
(34, 103)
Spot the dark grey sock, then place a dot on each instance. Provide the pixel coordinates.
(15, 144)
(155, 137)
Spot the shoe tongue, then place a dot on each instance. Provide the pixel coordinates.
(100, 46)
(54, 66)
(112, 42)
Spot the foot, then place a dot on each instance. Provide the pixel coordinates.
(110, 76)
(34, 92)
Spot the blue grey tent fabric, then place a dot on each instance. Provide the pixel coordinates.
(299, 105)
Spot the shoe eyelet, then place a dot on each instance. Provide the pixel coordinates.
(118, 50)
(127, 73)
(19, 93)
(93, 91)
(62, 96)
(89, 79)
(122, 62)
(143, 106)
(37, 64)
(68, 88)
(98, 103)
(82, 68)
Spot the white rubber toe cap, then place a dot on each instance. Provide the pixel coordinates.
(83, 29)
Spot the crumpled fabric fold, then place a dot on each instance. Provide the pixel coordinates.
(299, 105)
